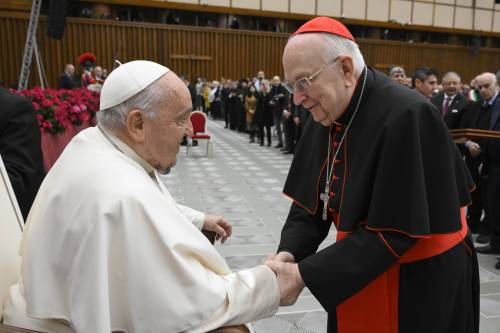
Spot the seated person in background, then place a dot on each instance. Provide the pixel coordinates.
(107, 248)
(20, 148)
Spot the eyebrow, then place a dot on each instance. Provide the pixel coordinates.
(297, 77)
(185, 113)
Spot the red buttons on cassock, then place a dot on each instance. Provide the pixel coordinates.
(335, 161)
(335, 178)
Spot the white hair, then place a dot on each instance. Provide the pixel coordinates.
(146, 100)
(339, 46)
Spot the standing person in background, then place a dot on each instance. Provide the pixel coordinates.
(87, 61)
(260, 77)
(198, 105)
(424, 81)
(264, 117)
(67, 78)
(486, 115)
(250, 105)
(450, 102)
(279, 102)
(20, 148)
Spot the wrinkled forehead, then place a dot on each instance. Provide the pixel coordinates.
(303, 55)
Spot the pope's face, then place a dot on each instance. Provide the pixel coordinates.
(168, 128)
(329, 94)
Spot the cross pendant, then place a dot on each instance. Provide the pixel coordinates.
(324, 197)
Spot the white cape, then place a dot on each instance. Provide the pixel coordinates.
(107, 249)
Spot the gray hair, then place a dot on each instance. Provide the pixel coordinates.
(397, 69)
(340, 46)
(146, 100)
(449, 75)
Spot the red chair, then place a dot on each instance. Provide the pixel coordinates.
(199, 121)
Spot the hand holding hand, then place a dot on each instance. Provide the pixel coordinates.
(283, 256)
(474, 148)
(219, 225)
(289, 280)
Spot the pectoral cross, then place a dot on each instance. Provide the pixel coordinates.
(324, 197)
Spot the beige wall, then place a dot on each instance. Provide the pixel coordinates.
(458, 14)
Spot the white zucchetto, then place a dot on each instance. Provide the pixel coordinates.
(128, 80)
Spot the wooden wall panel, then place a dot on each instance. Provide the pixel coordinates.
(211, 53)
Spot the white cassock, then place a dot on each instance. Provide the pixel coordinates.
(106, 248)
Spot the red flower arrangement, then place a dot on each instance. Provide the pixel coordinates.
(58, 110)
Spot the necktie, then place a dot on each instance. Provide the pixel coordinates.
(446, 104)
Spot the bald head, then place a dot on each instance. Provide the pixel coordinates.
(487, 85)
(70, 69)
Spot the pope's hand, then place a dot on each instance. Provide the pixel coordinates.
(289, 280)
(219, 225)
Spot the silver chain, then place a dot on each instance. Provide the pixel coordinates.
(330, 167)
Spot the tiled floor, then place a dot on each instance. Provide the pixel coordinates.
(243, 182)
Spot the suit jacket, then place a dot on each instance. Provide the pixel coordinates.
(65, 82)
(478, 116)
(20, 148)
(455, 109)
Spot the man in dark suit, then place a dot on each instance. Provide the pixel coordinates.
(20, 148)
(67, 80)
(489, 115)
(450, 102)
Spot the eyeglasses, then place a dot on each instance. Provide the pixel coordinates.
(306, 82)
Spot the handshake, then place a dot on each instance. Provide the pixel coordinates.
(288, 276)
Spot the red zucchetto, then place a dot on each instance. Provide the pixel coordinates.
(325, 24)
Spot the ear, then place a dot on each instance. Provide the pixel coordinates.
(135, 126)
(348, 71)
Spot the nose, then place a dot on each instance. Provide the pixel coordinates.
(298, 97)
(189, 128)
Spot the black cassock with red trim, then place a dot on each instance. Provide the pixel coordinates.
(403, 261)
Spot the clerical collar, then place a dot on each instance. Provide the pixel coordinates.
(125, 149)
(346, 116)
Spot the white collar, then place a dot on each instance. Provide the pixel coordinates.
(125, 149)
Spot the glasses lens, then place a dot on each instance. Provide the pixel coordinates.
(303, 84)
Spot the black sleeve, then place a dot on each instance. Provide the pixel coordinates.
(302, 233)
(21, 149)
(339, 271)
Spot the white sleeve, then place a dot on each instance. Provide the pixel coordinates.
(196, 217)
(251, 294)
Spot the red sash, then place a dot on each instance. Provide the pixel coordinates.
(374, 309)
